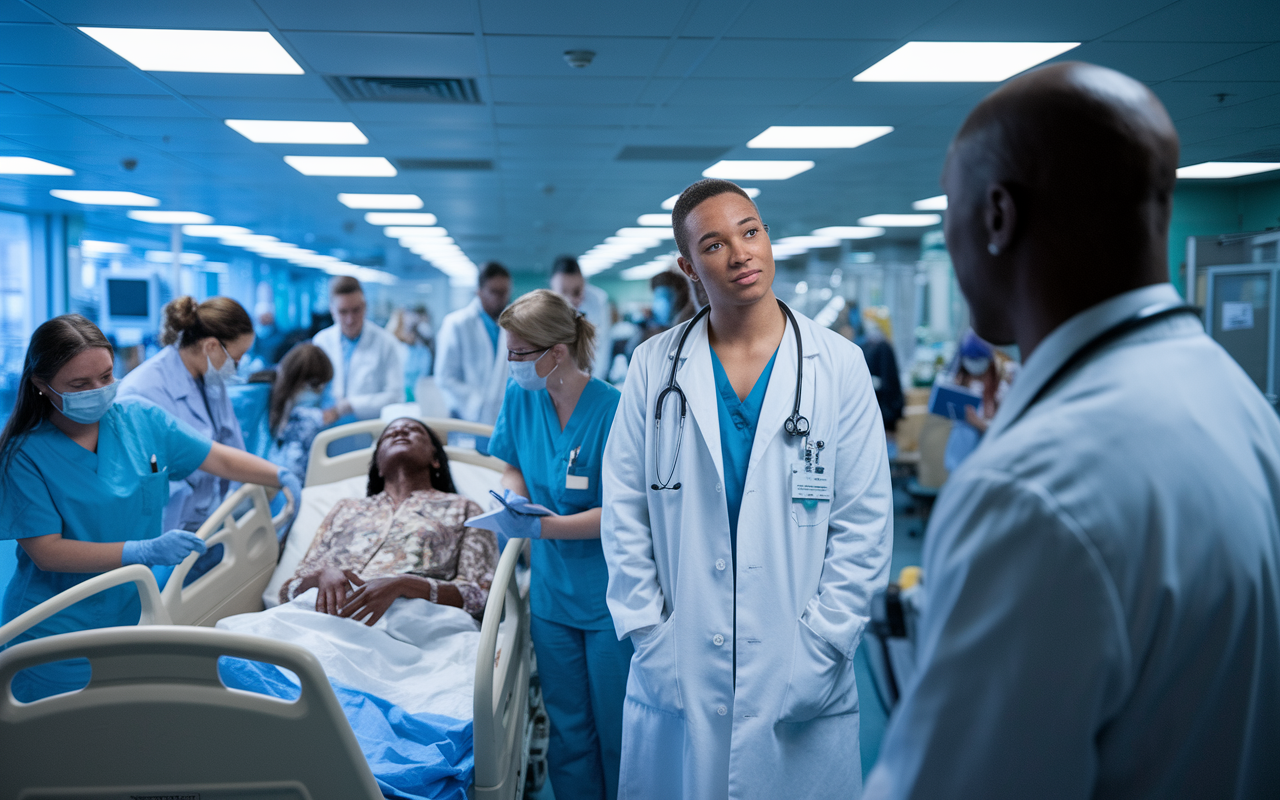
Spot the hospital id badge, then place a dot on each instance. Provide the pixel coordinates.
(576, 482)
(810, 485)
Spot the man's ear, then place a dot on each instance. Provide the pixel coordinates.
(1000, 213)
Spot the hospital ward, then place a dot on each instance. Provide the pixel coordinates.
(683, 400)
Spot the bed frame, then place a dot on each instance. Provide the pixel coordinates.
(179, 657)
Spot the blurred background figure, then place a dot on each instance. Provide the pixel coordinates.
(368, 372)
(981, 369)
(672, 304)
(592, 302)
(876, 341)
(415, 349)
(296, 415)
(266, 347)
(471, 352)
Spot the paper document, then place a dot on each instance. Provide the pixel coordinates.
(492, 521)
(950, 401)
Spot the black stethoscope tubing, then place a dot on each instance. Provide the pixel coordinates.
(795, 425)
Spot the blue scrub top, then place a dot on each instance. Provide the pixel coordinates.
(569, 576)
(53, 485)
(491, 328)
(738, 421)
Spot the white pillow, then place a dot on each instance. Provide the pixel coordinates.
(474, 483)
(317, 502)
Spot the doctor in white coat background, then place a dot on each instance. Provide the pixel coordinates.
(745, 605)
(367, 371)
(1102, 575)
(471, 350)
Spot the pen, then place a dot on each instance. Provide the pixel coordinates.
(573, 455)
(154, 466)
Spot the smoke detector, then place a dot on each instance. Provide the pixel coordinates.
(579, 58)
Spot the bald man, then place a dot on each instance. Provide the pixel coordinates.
(1102, 615)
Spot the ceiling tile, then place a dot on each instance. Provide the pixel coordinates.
(1206, 21)
(399, 55)
(451, 115)
(17, 11)
(438, 16)
(1161, 61)
(1009, 20)
(745, 93)
(577, 89)
(549, 114)
(89, 105)
(786, 58)
(1262, 64)
(817, 19)
(274, 108)
(1187, 99)
(228, 14)
(616, 57)
(309, 87)
(52, 44)
(582, 17)
(76, 80)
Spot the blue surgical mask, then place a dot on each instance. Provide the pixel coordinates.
(975, 366)
(307, 398)
(224, 375)
(663, 302)
(89, 406)
(525, 374)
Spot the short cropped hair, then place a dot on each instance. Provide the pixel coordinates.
(344, 284)
(691, 198)
(491, 270)
(565, 265)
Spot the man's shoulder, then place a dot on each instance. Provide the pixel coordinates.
(326, 337)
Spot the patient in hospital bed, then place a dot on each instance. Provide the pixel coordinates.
(407, 538)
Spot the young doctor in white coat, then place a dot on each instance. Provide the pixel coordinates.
(367, 370)
(742, 558)
(471, 350)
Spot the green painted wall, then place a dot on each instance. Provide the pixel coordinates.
(1202, 208)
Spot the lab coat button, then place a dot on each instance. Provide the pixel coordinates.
(722, 711)
(718, 487)
(717, 640)
(720, 565)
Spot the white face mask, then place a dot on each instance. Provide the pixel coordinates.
(224, 375)
(525, 374)
(975, 366)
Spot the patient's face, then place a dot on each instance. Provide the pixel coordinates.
(407, 441)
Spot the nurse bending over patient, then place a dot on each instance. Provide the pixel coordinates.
(83, 486)
(407, 538)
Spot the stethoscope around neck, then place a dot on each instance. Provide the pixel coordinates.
(795, 425)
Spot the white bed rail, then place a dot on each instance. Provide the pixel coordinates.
(502, 682)
(324, 468)
(178, 731)
(153, 610)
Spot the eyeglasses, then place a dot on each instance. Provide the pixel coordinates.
(234, 361)
(512, 354)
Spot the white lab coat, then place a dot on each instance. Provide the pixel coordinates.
(805, 579)
(1102, 584)
(470, 375)
(377, 371)
(595, 307)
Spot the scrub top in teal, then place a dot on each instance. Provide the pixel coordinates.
(738, 421)
(53, 485)
(569, 576)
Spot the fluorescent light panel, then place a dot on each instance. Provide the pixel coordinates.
(342, 166)
(171, 217)
(659, 220)
(670, 202)
(938, 203)
(399, 218)
(21, 165)
(166, 257)
(267, 131)
(215, 231)
(95, 246)
(170, 50)
(756, 170)
(95, 198)
(646, 233)
(416, 231)
(384, 201)
(961, 62)
(850, 231)
(1226, 169)
(901, 220)
(818, 136)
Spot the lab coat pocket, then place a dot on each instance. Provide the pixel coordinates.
(653, 670)
(810, 513)
(819, 685)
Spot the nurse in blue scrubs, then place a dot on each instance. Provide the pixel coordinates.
(551, 432)
(83, 486)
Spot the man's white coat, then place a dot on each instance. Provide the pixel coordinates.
(471, 376)
(805, 576)
(377, 372)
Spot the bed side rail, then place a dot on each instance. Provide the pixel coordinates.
(324, 468)
(156, 720)
(153, 609)
(502, 679)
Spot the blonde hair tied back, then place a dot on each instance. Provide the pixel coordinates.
(544, 320)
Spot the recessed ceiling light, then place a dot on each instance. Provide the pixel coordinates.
(95, 246)
(809, 242)
(660, 220)
(171, 217)
(850, 231)
(267, 131)
(342, 166)
(168, 50)
(397, 201)
(818, 136)
(216, 231)
(756, 170)
(399, 218)
(646, 233)
(961, 62)
(416, 231)
(1226, 169)
(166, 257)
(901, 220)
(21, 165)
(670, 202)
(246, 239)
(93, 198)
(938, 203)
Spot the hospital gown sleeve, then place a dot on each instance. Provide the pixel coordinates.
(634, 595)
(1021, 652)
(503, 442)
(25, 505)
(324, 550)
(860, 525)
(477, 561)
(183, 449)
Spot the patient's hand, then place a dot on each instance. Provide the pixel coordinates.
(335, 589)
(373, 597)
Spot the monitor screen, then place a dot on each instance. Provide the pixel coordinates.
(127, 297)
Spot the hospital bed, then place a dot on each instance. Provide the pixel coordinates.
(156, 687)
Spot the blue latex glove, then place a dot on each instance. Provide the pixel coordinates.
(290, 483)
(516, 525)
(164, 550)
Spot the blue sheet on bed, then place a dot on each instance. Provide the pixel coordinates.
(413, 756)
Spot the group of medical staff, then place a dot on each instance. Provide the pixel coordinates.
(1103, 613)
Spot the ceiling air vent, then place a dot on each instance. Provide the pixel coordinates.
(405, 90)
(637, 152)
(421, 164)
